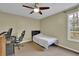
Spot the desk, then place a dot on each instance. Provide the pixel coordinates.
(2, 46)
(6, 47)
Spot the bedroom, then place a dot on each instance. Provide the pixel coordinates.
(52, 23)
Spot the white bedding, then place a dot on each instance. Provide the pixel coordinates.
(44, 40)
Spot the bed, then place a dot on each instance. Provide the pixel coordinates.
(43, 40)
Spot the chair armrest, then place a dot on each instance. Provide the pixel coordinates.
(12, 38)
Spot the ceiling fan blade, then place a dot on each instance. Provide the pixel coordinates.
(31, 12)
(40, 12)
(43, 8)
(28, 7)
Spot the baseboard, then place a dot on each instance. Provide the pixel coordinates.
(25, 41)
(76, 51)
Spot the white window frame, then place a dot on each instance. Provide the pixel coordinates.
(68, 28)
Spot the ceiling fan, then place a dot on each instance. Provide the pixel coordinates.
(36, 9)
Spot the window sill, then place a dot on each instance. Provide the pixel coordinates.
(75, 40)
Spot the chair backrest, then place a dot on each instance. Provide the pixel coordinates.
(22, 36)
(9, 32)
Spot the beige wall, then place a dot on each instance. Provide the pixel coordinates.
(18, 23)
(56, 26)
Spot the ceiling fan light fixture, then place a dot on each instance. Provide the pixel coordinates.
(36, 10)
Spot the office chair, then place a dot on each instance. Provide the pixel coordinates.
(18, 40)
(9, 38)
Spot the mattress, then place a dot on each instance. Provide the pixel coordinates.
(44, 40)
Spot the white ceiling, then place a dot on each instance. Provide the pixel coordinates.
(16, 8)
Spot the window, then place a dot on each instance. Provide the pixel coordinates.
(73, 26)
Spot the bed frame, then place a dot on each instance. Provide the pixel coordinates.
(42, 41)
